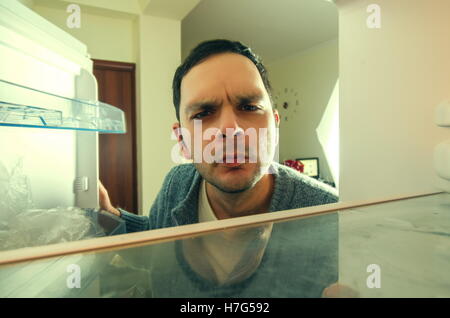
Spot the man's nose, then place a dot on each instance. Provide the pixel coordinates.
(229, 123)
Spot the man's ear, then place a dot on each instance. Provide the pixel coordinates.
(176, 127)
(276, 115)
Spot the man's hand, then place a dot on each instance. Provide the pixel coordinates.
(337, 290)
(105, 203)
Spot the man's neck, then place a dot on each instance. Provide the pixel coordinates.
(253, 201)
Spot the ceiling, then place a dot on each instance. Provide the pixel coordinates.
(273, 28)
(169, 9)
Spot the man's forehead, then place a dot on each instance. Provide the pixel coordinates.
(232, 74)
(225, 60)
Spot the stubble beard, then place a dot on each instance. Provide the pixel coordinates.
(207, 171)
(210, 171)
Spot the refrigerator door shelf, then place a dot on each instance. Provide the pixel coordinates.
(27, 107)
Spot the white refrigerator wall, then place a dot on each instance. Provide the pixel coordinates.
(36, 54)
(48, 160)
(391, 80)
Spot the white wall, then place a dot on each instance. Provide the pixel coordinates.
(305, 81)
(108, 36)
(391, 80)
(160, 55)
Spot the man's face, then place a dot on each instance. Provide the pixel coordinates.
(226, 93)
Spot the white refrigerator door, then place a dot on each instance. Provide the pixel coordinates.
(37, 54)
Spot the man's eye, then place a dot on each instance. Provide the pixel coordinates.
(201, 114)
(250, 108)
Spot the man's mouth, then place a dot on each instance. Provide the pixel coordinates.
(234, 160)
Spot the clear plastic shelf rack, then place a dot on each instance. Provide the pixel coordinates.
(35, 108)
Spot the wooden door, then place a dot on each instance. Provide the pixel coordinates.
(117, 152)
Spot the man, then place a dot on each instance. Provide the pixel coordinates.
(225, 86)
(221, 95)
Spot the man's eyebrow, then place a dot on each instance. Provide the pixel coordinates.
(238, 99)
(201, 105)
(248, 98)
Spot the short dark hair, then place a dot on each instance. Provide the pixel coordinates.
(207, 49)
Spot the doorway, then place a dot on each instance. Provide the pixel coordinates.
(117, 152)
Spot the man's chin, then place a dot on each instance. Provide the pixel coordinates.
(234, 181)
(231, 190)
(230, 178)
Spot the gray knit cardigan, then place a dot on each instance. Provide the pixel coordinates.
(177, 201)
